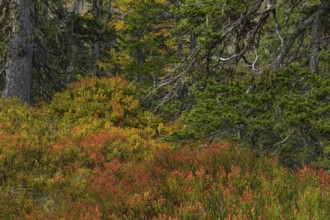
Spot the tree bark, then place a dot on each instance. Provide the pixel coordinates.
(76, 6)
(20, 51)
(313, 62)
(97, 13)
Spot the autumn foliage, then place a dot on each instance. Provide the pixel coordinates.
(93, 153)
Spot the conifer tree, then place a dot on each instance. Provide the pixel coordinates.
(20, 50)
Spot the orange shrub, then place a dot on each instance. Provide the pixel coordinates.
(93, 154)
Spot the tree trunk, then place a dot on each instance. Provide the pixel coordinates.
(313, 62)
(179, 48)
(20, 51)
(193, 41)
(76, 6)
(97, 13)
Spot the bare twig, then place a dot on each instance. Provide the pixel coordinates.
(173, 78)
(259, 25)
(277, 30)
(281, 142)
(255, 60)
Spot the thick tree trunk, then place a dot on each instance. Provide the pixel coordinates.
(97, 13)
(20, 51)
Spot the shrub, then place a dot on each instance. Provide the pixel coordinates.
(57, 163)
(111, 99)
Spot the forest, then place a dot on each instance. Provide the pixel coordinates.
(164, 109)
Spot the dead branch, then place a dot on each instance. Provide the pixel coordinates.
(282, 142)
(298, 31)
